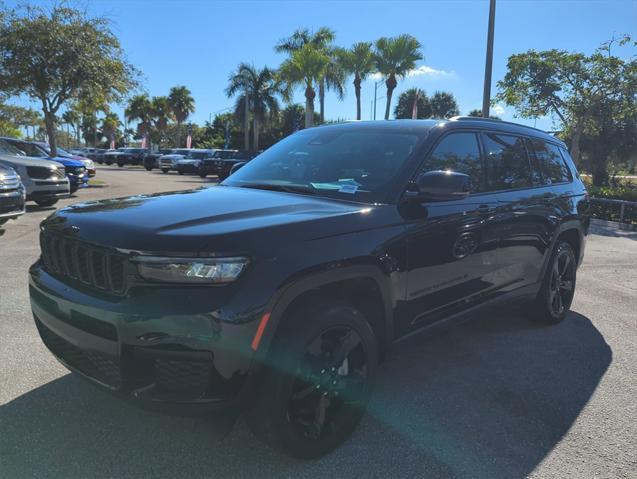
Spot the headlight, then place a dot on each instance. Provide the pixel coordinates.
(190, 270)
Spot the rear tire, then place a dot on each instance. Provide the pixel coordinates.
(558, 287)
(318, 380)
(202, 175)
(148, 168)
(164, 170)
(120, 164)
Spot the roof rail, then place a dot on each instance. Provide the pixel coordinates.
(479, 118)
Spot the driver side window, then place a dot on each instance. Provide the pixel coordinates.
(458, 152)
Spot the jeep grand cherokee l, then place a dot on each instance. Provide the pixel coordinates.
(278, 292)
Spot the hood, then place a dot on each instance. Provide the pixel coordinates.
(215, 219)
(28, 161)
(66, 161)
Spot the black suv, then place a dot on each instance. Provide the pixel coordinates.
(126, 156)
(222, 163)
(278, 292)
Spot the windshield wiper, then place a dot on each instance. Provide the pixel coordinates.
(285, 188)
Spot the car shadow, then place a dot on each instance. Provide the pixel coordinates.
(485, 399)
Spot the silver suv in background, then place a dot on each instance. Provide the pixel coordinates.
(45, 181)
(12, 194)
(169, 162)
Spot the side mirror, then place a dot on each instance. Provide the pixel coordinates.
(237, 167)
(440, 186)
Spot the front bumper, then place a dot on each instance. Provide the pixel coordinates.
(12, 203)
(163, 348)
(188, 169)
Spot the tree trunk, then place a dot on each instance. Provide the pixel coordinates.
(246, 124)
(178, 135)
(255, 134)
(322, 100)
(575, 140)
(391, 84)
(49, 120)
(357, 90)
(309, 106)
(599, 162)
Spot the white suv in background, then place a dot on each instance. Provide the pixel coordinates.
(45, 181)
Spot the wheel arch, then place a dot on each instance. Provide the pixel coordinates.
(350, 283)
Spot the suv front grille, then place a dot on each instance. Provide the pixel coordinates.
(44, 173)
(96, 267)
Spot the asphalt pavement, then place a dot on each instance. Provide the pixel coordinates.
(497, 397)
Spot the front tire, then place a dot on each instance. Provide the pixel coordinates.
(319, 378)
(45, 203)
(164, 170)
(558, 288)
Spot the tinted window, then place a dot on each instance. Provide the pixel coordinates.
(507, 162)
(458, 152)
(569, 161)
(551, 163)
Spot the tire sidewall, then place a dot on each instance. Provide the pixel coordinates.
(293, 344)
(561, 247)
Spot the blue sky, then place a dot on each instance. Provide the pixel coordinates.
(198, 43)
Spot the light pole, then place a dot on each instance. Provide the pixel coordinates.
(486, 95)
(376, 83)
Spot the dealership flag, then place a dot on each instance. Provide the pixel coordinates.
(189, 138)
(112, 145)
(144, 142)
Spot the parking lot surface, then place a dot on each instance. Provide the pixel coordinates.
(498, 397)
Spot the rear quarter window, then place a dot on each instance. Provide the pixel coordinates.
(550, 161)
(507, 162)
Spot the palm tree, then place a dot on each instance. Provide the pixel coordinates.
(140, 108)
(182, 105)
(72, 117)
(110, 124)
(239, 82)
(306, 67)
(394, 58)
(443, 105)
(162, 113)
(259, 89)
(322, 39)
(357, 61)
(406, 101)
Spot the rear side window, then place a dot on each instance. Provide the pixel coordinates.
(550, 161)
(567, 157)
(458, 152)
(507, 162)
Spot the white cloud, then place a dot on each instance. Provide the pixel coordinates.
(423, 70)
(498, 109)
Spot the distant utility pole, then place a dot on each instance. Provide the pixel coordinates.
(486, 96)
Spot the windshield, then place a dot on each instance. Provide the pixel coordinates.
(8, 149)
(344, 164)
(30, 149)
(198, 155)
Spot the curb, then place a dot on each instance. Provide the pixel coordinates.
(613, 224)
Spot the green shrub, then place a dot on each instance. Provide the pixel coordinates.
(611, 212)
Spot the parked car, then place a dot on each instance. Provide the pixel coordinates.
(281, 289)
(61, 152)
(151, 159)
(125, 156)
(45, 181)
(75, 170)
(191, 163)
(12, 194)
(223, 163)
(169, 162)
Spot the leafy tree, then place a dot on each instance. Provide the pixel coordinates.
(305, 67)
(182, 105)
(357, 61)
(591, 95)
(405, 106)
(323, 39)
(52, 55)
(13, 117)
(443, 105)
(394, 58)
